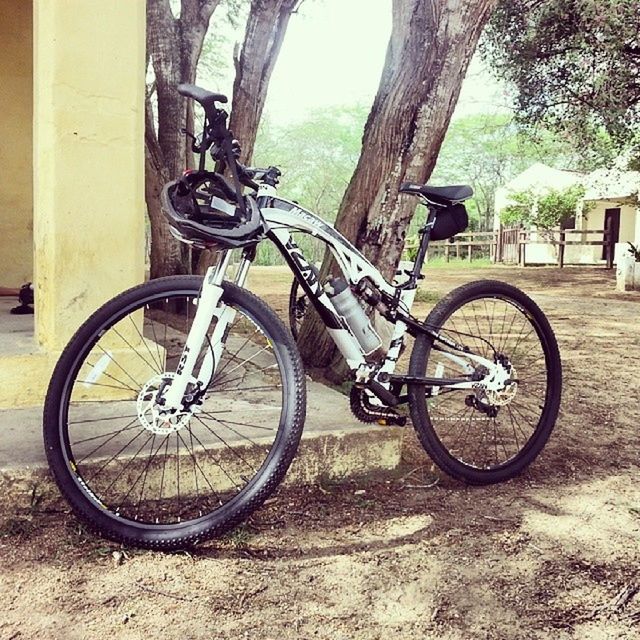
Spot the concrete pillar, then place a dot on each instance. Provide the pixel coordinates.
(89, 65)
(16, 106)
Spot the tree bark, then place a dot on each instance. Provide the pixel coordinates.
(166, 252)
(431, 45)
(173, 46)
(266, 27)
(265, 31)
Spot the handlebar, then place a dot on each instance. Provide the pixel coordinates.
(224, 149)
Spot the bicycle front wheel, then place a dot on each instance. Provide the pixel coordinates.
(167, 482)
(484, 436)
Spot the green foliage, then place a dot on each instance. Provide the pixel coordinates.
(319, 154)
(575, 66)
(487, 150)
(634, 251)
(543, 211)
(440, 262)
(215, 62)
(317, 157)
(423, 295)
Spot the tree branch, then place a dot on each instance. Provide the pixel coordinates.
(207, 7)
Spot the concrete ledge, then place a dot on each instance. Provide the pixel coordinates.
(334, 445)
(25, 369)
(340, 454)
(331, 455)
(24, 378)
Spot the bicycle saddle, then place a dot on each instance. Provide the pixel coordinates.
(440, 195)
(204, 97)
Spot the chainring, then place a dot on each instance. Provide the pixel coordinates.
(367, 412)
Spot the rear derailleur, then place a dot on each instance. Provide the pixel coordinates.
(479, 405)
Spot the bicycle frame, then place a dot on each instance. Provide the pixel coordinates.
(284, 217)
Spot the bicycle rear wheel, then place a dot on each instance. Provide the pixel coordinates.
(142, 479)
(480, 437)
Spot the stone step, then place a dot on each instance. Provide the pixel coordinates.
(334, 445)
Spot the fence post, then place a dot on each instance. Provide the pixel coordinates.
(561, 249)
(609, 246)
(446, 252)
(522, 261)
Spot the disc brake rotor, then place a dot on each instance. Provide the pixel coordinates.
(505, 395)
(151, 415)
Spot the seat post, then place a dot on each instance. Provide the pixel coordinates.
(425, 234)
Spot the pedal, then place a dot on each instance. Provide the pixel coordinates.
(393, 421)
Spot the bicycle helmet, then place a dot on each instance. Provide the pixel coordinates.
(204, 226)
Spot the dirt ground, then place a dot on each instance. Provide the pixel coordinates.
(552, 554)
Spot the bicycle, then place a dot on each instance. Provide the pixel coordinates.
(177, 407)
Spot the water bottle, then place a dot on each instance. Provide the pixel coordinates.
(347, 305)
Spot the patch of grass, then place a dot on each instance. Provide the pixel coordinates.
(78, 534)
(331, 484)
(36, 498)
(364, 503)
(14, 527)
(458, 263)
(431, 297)
(238, 537)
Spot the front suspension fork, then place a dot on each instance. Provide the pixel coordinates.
(209, 306)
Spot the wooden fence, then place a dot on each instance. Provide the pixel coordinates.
(510, 245)
(480, 244)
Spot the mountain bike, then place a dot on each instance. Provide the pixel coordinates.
(177, 407)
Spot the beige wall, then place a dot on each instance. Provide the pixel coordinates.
(16, 108)
(595, 218)
(88, 158)
(592, 217)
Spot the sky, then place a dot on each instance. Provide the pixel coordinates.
(333, 54)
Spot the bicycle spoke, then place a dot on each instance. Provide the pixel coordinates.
(226, 444)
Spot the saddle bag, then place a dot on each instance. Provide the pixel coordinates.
(449, 221)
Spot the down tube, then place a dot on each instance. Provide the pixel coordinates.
(309, 281)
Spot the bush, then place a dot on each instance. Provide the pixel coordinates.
(543, 211)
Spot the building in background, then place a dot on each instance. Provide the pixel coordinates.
(610, 202)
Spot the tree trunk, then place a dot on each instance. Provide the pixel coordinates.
(430, 48)
(265, 31)
(174, 46)
(166, 252)
(266, 27)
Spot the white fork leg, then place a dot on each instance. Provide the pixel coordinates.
(207, 304)
(225, 316)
